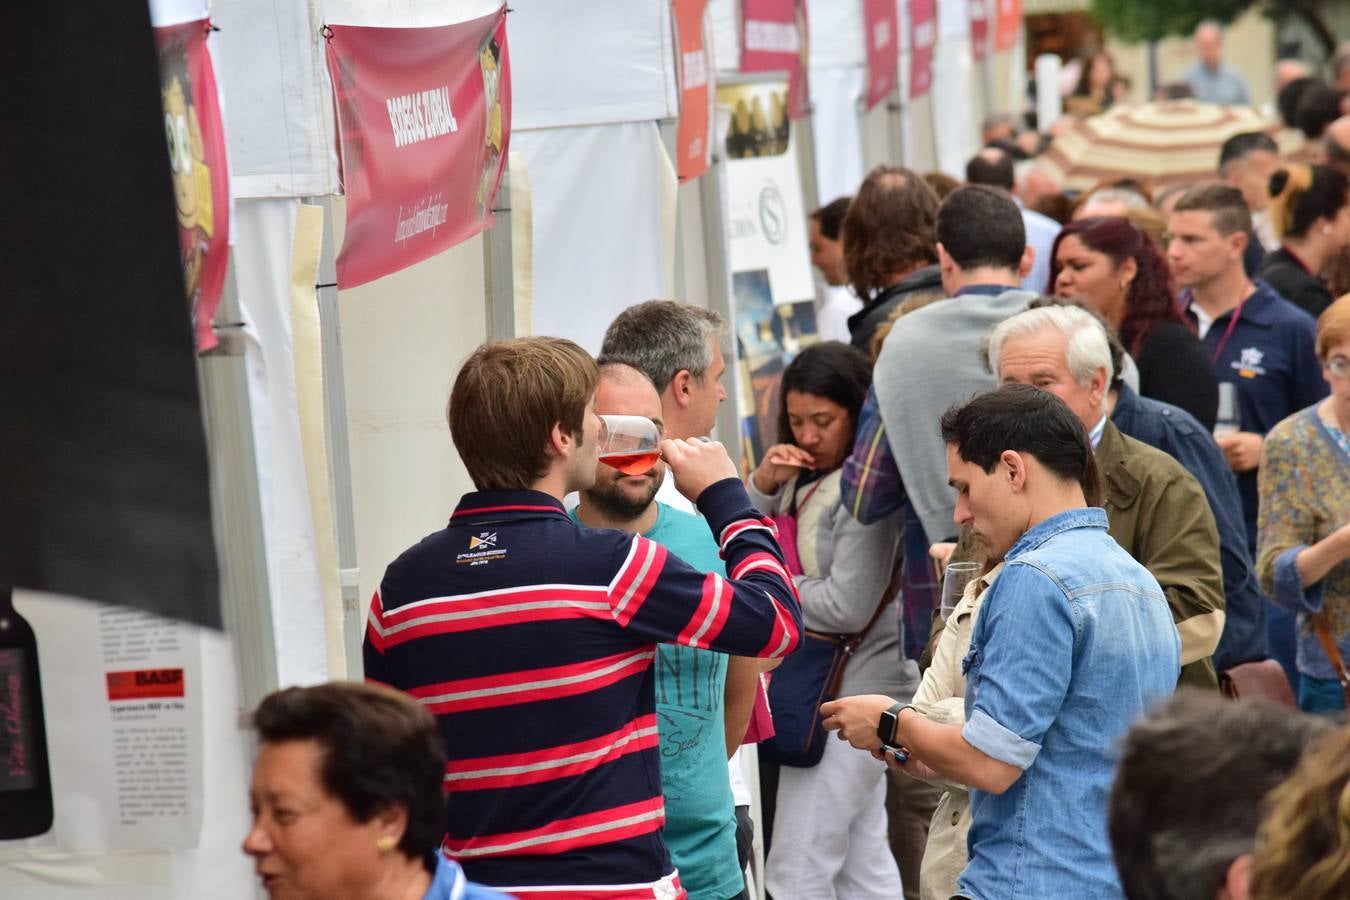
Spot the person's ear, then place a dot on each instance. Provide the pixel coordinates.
(1237, 880)
(391, 823)
(1101, 379)
(946, 265)
(1015, 468)
(1126, 272)
(1237, 241)
(1028, 261)
(560, 442)
(681, 388)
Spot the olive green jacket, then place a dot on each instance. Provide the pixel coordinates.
(1157, 511)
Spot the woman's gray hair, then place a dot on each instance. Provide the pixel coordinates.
(1087, 347)
(661, 338)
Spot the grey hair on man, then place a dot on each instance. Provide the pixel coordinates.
(1087, 348)
(661, 338)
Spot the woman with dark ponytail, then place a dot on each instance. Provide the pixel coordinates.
(1310, 210)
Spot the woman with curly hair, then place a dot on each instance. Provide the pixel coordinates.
(1303, 847)
(1116, 270)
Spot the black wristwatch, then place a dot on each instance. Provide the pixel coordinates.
(890, 720)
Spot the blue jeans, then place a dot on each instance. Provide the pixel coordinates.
(1323, 696)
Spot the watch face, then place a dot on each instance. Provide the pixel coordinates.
(886, 727)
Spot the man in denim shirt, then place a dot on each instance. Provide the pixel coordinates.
(1074, 641)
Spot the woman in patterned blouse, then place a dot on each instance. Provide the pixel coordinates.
(1303, 549)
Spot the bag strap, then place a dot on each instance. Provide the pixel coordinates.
(1323, 630)
(851, 644)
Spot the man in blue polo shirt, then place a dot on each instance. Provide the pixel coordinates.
(1260, 342)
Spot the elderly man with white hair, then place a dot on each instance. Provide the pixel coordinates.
(1156, 510)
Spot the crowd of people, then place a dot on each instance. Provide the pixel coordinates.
(1131, 418)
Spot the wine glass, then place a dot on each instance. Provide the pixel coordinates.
(1227, 421)
(631, 444)
(958, 575)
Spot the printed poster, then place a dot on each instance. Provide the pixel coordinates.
(122, 694)
(424, 118)
(881, 31)
(201, 178)
(771, 279)
(695, 109)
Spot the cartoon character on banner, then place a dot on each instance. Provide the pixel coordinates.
(191, 175)
(489, 58)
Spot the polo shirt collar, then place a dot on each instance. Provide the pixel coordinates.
(1257, 309)
(506, 506)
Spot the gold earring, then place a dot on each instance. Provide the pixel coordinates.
(386, 843)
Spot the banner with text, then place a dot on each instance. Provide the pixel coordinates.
(881, 31)
(201, 179)
(774, 39)
(691, 141)
(424, 117)
(1008, 25)
(979, 30)
(922, 37)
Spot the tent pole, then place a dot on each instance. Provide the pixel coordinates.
(338, 444)
(670, 137)
(236, 506)
(498, 285)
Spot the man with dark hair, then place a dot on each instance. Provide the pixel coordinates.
(993, 166)
(1246, 162)
(1073, 642)
(827, 255)
(512, 614)
(1188, 793)
(1261, 344)
(889, 246)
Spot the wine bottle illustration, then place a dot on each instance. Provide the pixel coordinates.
(25, 775)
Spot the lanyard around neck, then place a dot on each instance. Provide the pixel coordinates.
(1232, 323)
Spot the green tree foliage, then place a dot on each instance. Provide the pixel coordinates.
(1151, 20)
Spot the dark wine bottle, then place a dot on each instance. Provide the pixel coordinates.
(25, 775)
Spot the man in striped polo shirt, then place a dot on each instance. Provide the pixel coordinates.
(533, 642)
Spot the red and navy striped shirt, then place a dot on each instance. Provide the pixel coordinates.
(532, 642)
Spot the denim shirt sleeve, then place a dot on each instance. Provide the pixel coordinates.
(1289, 590)
(870, 485)
(1019, 666)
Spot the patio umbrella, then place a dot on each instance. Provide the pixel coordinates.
(1173, 142)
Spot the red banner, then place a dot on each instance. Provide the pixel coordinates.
(201, 180)
(774, 38)
(692, 137)
(979, 30)
(424, 115)
(922, 37)
(881, 32)
(1008, 25)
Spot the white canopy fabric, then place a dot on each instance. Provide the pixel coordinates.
(616, 65)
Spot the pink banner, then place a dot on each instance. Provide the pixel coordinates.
(424, 117)
(692, 136)
(774, 39)
(881, 32)
(201, 179)
(979, 30)
(922, 37)
(1008, 24)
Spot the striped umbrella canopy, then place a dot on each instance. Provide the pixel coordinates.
(1172, 142)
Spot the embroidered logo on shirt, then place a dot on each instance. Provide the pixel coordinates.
(483, 549)
(1248, 363)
